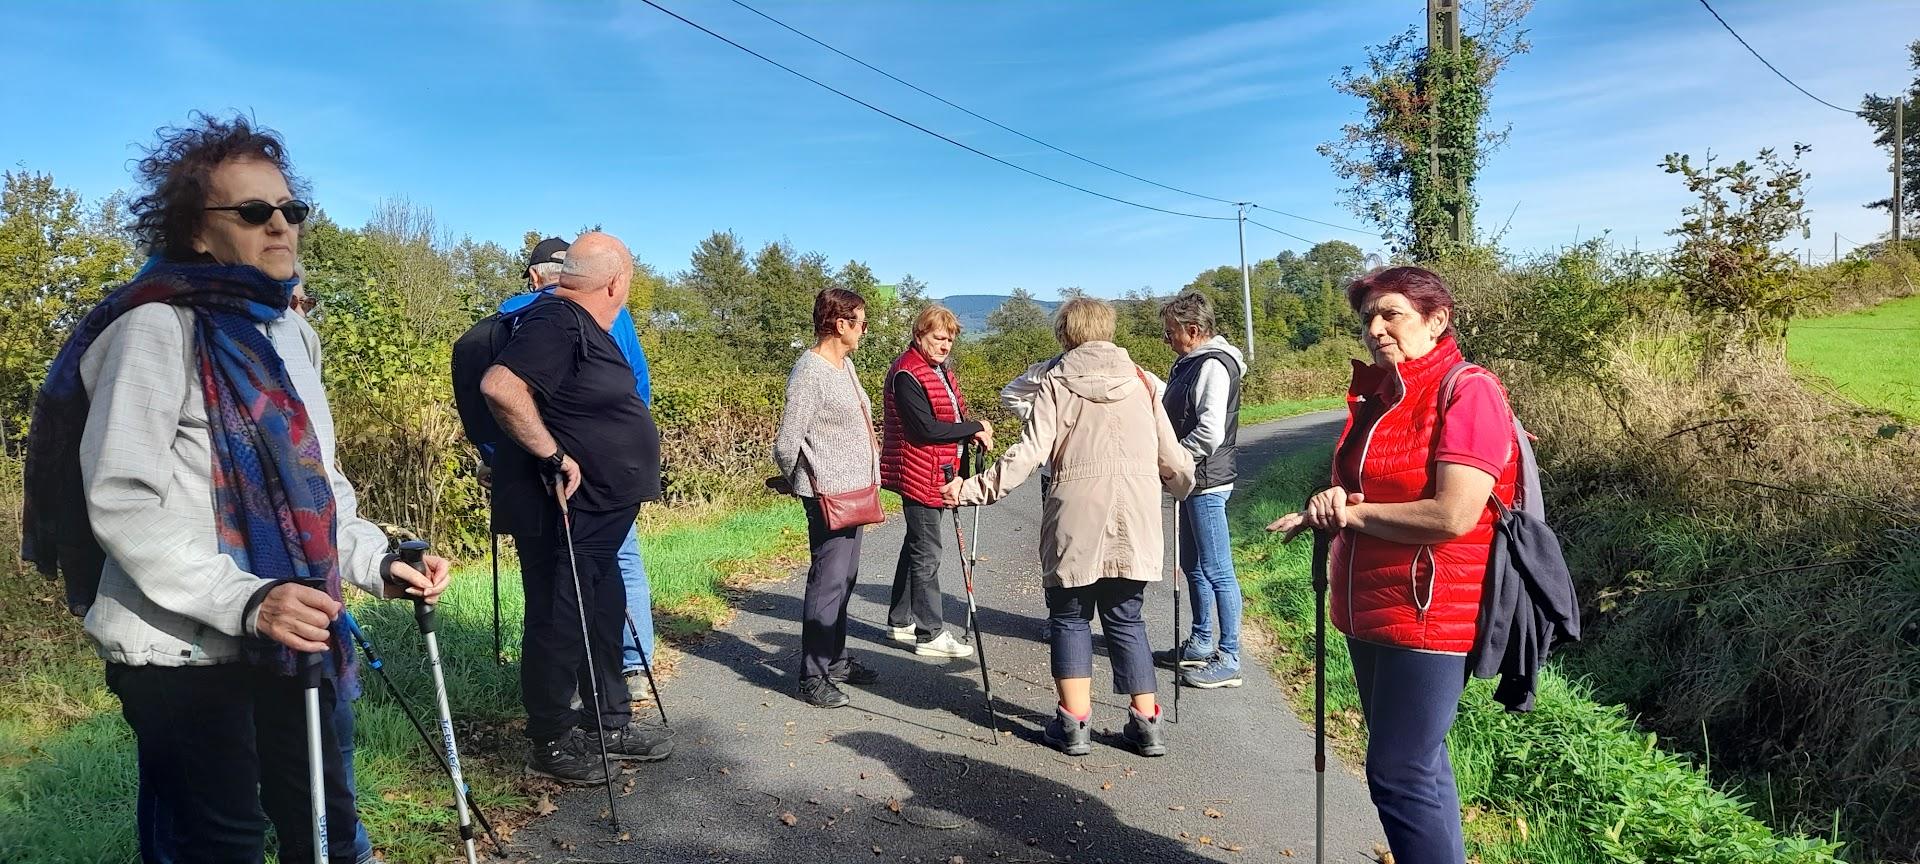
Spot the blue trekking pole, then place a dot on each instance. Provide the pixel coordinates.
(379, 668)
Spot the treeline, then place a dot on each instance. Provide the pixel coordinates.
(719, 336)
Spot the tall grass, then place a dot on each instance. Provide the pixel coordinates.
(1570, 783)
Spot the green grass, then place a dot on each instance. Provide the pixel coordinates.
(1251, 414)
(66, 757)
(1863, 354)
(1570, 783)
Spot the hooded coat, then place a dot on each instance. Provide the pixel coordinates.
(1100, 425)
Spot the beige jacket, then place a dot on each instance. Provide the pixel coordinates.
(1112, 451)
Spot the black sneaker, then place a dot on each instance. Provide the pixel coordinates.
(566, 759)
(819, 692)
(634, 743)
(853, 672)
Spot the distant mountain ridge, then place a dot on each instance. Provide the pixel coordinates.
(973, 309)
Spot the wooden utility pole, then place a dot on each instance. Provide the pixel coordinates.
(1899, 142)
(1443, 35)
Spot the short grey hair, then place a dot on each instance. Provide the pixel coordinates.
(1191, 309)
(546, 271)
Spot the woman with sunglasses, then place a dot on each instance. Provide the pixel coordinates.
(181, 476)
(826, 446)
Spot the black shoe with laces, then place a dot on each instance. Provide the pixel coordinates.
(635, 743)
(820, 692)
(853, 672)
(566, 759)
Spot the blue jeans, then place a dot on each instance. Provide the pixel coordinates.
(1070, 614)
(633, 573)
(1409, 699)
(1206, 554)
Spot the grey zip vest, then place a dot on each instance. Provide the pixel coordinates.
(1218, 469)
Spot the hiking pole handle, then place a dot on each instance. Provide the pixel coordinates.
(413, 553)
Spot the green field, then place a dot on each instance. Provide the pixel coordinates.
(1251, 414)
(1869, 356)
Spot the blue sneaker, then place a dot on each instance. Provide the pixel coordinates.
(1223, 671)
(1188, 654)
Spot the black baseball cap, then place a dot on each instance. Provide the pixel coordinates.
(552, 250)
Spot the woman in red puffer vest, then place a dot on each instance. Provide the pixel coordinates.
(1412, 505)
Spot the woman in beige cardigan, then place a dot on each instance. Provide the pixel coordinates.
(1098, 424)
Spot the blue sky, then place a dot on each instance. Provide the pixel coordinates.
(504, 117)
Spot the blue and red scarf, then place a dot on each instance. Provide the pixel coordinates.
(273, 504)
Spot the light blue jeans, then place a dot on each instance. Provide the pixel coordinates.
(633, 574)
(1206, 554)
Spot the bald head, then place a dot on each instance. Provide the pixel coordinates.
(598, 272)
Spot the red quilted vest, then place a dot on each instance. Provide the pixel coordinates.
(911, 469)
(1425, 598)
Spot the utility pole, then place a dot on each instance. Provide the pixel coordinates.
(1836, 247)
(1443, 35)
(1246, 282)
(1899, 134)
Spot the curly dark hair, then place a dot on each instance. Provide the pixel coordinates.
(177, 173)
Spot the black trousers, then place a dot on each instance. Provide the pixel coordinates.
(553, 661)
(830, 578)
(916, 578)
(223, 750)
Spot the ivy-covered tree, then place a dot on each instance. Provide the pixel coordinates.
(1411, 161)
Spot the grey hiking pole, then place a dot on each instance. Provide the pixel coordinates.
(979, 464)
(647, 667)
(1179, 668)
(311, 666)
(380, 671)
(586, 645)
(973, 616)
(413, 554)
(1321, 542)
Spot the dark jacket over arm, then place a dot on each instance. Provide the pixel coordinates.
(916, 414)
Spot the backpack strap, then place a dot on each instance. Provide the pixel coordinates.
(1447, 387)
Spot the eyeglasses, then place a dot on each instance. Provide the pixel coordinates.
(858, 322)
(303, 304)
(258, 212)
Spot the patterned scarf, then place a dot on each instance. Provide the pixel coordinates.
(274, 508)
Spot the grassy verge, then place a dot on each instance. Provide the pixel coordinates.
(66, 757)
(1574, 781)
(1251, 414)
(1861, 353)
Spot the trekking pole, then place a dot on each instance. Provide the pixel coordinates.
(586, 643)
(973, 615)
(1321, 541)
(311, 666)
(493, 540)
(973, 560)
(1179, 667)
(413, 554)
(380, 671)
(647, 667)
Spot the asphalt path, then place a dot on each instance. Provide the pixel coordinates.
(907, 772)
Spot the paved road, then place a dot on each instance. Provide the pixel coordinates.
(906, 772)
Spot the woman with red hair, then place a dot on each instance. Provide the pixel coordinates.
(1412, 508)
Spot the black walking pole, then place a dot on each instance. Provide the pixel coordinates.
(1179, 655)
(586, 645)
(379, 670)
(1321, 541)
(493, 540)
(413, 554)
(311, 666)
(973, 616)
(647, 667)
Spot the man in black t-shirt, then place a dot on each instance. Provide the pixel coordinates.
(563, 394)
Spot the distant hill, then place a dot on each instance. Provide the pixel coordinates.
(973, 309)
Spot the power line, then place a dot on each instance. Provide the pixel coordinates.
(1286, 233)
(1783, 75)
(899, 119)
(1314, 221)
(976, 115)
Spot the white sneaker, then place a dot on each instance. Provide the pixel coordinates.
(902, 634)
(943, 645)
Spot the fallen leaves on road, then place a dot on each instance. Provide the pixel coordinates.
(788, 819)
(1212, 813)
(1177, 807)
(544, 806)
(1107, 785)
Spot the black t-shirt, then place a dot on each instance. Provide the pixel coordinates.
(585, 391)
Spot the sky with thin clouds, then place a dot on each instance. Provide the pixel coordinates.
(506, 117)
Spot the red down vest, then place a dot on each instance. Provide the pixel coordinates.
(1425, 598)
(911, 469)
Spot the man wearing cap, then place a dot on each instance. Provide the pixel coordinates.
(543, 272)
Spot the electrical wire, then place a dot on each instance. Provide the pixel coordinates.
(1763, 60)
(1286, 233)
(899, 119)
(1360, 231)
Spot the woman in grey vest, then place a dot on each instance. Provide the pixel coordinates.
(1203, 402)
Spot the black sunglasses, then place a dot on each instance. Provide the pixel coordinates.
(258, 212)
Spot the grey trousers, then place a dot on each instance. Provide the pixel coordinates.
(916, 578)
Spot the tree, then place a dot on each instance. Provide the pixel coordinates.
(1412, 160)
(1728, 271)
(1019, 314)
(56, 260)
(1878, 111)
